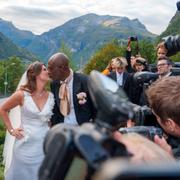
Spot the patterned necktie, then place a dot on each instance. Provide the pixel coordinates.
(64, 96)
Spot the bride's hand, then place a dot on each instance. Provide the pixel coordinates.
(18, 133)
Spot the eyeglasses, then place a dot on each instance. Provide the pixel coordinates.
(161, 65)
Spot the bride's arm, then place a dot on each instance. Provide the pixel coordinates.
(13, 101)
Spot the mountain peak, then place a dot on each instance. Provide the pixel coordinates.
(84, 35)
(15, 34)
(6, 22)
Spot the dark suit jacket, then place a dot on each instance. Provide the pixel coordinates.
(83, 112)
(126, 81)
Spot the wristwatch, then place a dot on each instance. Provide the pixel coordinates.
(11, 131)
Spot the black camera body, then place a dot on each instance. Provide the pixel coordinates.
(143, 116)
(172, 44)
(145, 77)
(146, 131)
(81, 150)
(114, 107)
(133, 38)
(178, 5)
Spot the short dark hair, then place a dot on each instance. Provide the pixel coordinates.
(163, 57)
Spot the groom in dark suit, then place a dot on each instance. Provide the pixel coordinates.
(73, 104)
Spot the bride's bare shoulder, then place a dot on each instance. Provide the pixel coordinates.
(15, 99)
(18, 96)
(19, 93)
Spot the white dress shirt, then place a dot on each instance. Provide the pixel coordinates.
(71, 117)
(119, 78)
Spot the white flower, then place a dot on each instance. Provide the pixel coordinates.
(82, 98)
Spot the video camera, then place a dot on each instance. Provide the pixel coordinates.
(146, 131)
(178, 5)
(143, 116)
(114, 107)
(145, 77)
(68, 147)
(143, 80)
(81, 150)
(172, 44)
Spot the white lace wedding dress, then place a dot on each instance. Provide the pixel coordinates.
(28, 151)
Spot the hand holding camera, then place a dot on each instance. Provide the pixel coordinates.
(133, 38)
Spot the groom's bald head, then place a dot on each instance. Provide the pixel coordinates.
(58, 66)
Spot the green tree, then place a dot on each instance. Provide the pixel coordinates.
(176, 57)
(101, 58)
(147, 50)
(11, 72)
(64, 48)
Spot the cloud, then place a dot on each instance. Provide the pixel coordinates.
(39, 19)
(42, 15)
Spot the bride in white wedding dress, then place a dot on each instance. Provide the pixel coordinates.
(36, 106)
(9, 140)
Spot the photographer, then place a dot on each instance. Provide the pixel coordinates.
(136, 91)
(142, 149)
(164, 66)
(131, 60)
(164, 99)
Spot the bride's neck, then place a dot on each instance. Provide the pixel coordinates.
(40, 87)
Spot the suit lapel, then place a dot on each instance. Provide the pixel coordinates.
(56, 93)
(76, 90)
(124, 78)
(114, 76)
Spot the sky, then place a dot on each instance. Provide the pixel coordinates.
(40, 16)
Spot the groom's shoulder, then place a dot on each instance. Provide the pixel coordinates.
(81, 76)
(54, 82)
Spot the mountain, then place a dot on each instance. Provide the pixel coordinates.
(21, 38)
(173, 27)
(84, 35)
(8, 49)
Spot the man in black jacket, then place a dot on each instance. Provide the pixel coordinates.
(73, 104)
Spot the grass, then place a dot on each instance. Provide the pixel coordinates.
(2, 136)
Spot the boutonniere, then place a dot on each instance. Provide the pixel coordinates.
(82, 98)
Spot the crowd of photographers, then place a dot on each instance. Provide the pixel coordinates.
(158, 89)
(137, 119)
(140, 126)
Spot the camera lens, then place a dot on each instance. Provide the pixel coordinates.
(178, 5)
